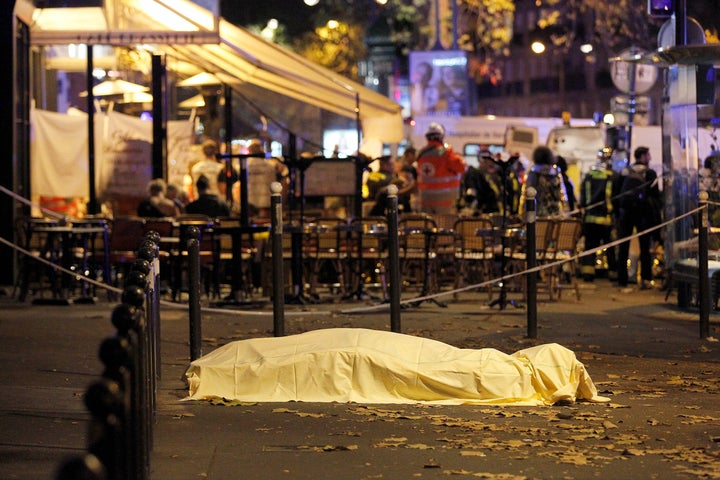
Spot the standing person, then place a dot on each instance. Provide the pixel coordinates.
(597, 192)
(157, 204)
(209, 167)
(710, 182)
(207, 203)
(569, 187)
(480, 187)
(639, 200)
(545, 177)
(406, 170)
(439, 171)
(261, 173)
(378, 183)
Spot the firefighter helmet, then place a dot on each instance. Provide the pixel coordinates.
(435, 130)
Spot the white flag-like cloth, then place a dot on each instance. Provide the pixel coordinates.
(123, 147)
(370, 366)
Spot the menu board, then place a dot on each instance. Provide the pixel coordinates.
(330, 177)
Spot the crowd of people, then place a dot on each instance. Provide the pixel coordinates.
(216, 186)
(434, 179)
(610, 204)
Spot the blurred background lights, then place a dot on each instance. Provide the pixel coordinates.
(538, 47)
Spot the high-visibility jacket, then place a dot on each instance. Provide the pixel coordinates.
(439, 172)
(597, 191)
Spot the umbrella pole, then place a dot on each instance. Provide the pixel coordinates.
(358, 162)
(92, 206)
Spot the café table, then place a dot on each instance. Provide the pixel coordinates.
(60, 239)
(236, 231)
(509, 238)
(367, 240)
(429, 256)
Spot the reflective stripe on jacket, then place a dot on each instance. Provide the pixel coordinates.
(439, 172)
(597, 193)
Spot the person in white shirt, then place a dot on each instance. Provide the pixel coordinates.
(209, 167)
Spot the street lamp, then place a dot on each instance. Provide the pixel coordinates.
(537, 47)
(586, 48)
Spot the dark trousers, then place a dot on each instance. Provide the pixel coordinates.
(596, 235)
(628, 221)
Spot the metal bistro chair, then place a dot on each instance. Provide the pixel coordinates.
(567, 233)
(372, 270)
(34, 276)
(91, 251)
(126, 233)
(417, 250)
(327, 254)
(445, 247)
(545, 233)
(227, 265)
(474, 253)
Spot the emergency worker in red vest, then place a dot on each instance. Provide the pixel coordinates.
(439, 171)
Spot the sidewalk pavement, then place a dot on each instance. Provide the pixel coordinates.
(640, 350)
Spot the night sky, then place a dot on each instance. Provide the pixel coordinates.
(294, 14)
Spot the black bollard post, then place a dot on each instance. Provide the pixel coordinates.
(277, 260)
(394, 254)
(704, 285)
(531, 257)
(154, 318)
(147, 258)
(87, 467)
(136, 295)
(193, 249)
(118, 354)
(107, 441)
(137, 335)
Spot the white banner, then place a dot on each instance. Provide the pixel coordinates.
(58, 154)
(123, 160)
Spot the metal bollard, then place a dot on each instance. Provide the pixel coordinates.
(704, 285)
(193, 249)
(531, 257)
(107, 439)
(154, 306)
(277, 260)
(394, 254)
(147, 255)
(87, 467)
(122, 404)
(139, 424)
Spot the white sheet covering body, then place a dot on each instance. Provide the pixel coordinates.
(370, 366)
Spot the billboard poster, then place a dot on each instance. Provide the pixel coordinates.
(439, 83)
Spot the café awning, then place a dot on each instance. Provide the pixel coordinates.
(240, 56)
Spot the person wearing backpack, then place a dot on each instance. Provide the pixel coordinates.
(639, 201)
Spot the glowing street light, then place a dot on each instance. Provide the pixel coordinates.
(537, 47)
(311, 3)
(268, 33)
